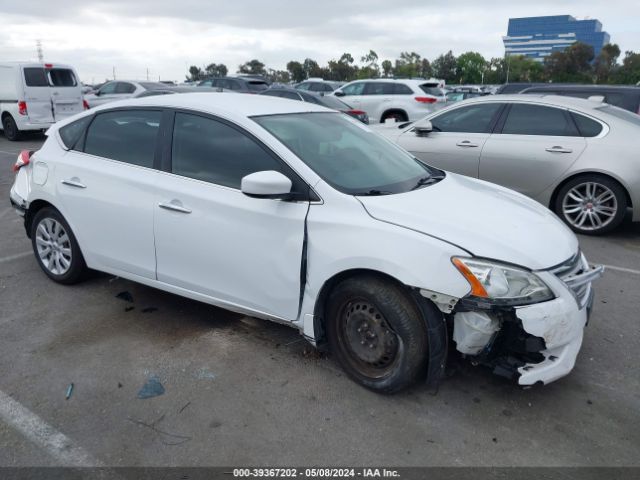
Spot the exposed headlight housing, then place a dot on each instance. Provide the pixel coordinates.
(501, 284)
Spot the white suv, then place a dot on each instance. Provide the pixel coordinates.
(401, 100)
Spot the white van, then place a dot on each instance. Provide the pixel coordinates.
(33, 96)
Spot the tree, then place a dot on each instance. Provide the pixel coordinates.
(520, 68)
(342, 70)
(252, 67)
(408, 65)
(496, 71)
(425, 69)
(296, 71)
(444, 67)
(195, 74)
(216, 70)
(278, 76)
(370, 68)
(629, 72)
(387, 68)
(571, 65)
(470, 67)
(606, 63)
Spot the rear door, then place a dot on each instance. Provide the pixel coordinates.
(37, 94)
(531, 148)
(107, 189)
(457, 139)
(66, 93)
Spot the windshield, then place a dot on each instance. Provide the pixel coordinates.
(350, 157)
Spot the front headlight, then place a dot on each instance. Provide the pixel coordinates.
(502, 284)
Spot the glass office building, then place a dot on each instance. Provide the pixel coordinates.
(538, 37)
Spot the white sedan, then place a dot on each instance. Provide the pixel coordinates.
(576, 156)
(291, 212)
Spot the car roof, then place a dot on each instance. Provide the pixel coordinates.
(557, 100)
(556, 86)
(232, 104)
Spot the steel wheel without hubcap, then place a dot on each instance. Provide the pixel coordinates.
(372, 344)
(589, 206)
(53, 246)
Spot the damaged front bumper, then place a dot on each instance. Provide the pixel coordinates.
(536, 343)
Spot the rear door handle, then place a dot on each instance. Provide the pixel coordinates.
(174, 207)
(467, 143)
(74, 182)
(558, 149)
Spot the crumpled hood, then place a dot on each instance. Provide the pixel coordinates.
(485, 219)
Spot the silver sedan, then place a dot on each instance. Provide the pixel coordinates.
(578, 157)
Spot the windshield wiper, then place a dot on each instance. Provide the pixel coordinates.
(428, 180)
(372, 193)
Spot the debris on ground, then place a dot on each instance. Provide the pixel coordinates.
(126, 296)
(152, 388)
(204, 374)
(128, 309)
(149, 310)
(171, 438)
(69, 392)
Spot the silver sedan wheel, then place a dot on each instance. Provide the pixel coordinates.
(589, 206)
(54, 246)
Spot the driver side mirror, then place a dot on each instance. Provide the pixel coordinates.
(339, 93)
(266, 184)
(423, 128)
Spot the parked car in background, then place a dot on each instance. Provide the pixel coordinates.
(319, 85)
(119, 90)
(291, 212)
(324, 100)
(618, 95)
(517, 87)
(384, 99)
(578, 157)
(456, 94)
(236, 84)
(33, 96)
(171, 90)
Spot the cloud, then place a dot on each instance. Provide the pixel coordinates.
(166, 36)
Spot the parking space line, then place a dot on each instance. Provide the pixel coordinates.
(9, 153)
(622, 269)
(56, 444)
(10, 258)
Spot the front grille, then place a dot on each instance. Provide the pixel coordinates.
(570, 272)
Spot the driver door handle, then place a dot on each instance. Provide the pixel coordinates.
(174, 207)
(558, 149)
(467, 143)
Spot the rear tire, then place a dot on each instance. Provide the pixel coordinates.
(56, 248)
(591, 204)
(377, 333)
(10, 129)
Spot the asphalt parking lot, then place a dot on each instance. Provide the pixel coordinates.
(240, 391)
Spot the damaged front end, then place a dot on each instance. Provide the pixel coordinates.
(532, 337)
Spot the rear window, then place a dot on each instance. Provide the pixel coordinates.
(35, 77)
(621, 114)
(257, 86)
(431, 90)
(70, 134)
(62, 77)
(333, 102)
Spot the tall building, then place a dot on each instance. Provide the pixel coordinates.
(538, 37)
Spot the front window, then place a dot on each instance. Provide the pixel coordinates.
(354, 89)
(351, 158)
(470, 119)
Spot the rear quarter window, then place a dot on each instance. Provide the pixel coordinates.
(70, 134)
(587, 126)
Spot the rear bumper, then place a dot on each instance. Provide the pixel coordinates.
(18, 203)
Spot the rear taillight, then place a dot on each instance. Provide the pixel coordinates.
(22, 108)
(426, 99)
(23, 159)
(359, 114)
(85, 104)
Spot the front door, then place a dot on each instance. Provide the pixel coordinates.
(214, 240)
(457, 139)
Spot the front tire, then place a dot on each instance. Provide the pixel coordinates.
(56, 248)
(591, 204)
(10, 128)
(377, 333)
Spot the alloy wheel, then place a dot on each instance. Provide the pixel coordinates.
(53, 246)
(589, 206)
